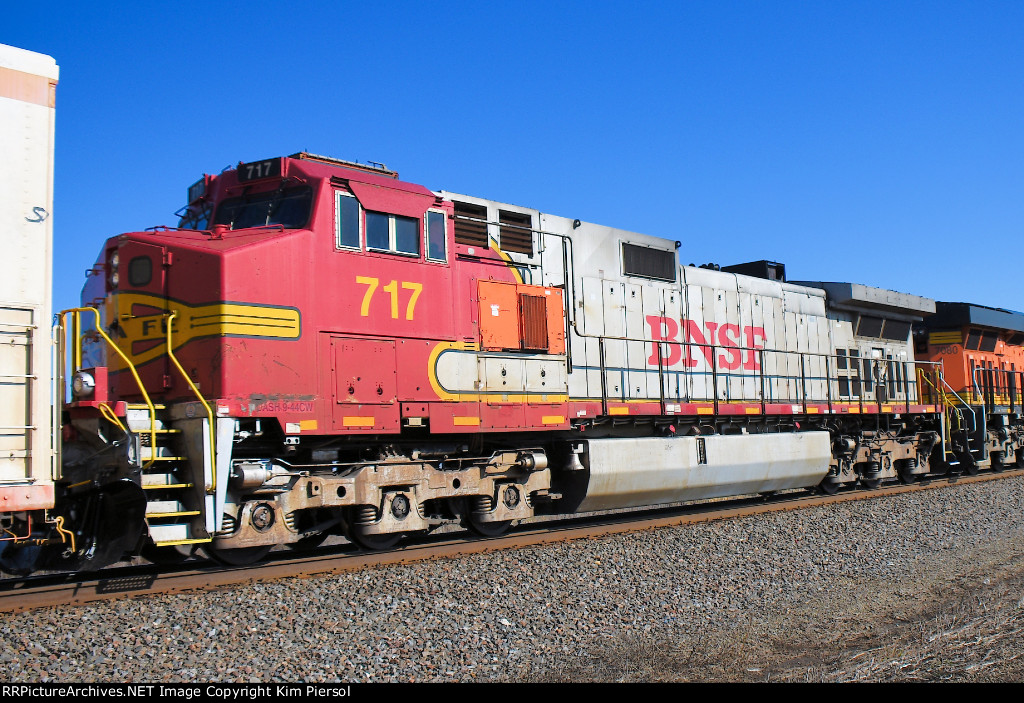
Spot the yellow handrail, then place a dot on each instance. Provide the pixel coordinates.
(195, 390)
(951, 408)
(77, 359)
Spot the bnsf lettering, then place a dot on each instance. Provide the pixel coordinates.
(728, 338)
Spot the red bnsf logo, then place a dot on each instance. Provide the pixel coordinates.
(736, 347)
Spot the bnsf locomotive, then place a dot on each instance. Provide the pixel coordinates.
(321, 348)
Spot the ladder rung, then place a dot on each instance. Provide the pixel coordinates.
(159, 486)
(163, 458)
(180, 513)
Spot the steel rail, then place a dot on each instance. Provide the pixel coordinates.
(18, 595)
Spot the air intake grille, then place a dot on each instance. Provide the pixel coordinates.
(648, 263)
(517, 236)
(533, 321)
(470, 232)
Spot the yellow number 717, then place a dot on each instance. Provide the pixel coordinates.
(392, 289)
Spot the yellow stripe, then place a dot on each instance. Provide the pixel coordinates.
(553, 419)
(196, 322)
(507, 259)
(940, 338)
(307, 424)
(465, 421)
(752, 411)
(854, 409)
(811, 411)
(469, 396)
(171, 543)
(356, 421)
(618, 411)
(705, 411)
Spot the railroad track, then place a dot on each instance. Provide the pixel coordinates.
(18, 594)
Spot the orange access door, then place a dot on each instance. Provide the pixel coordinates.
(520, 317)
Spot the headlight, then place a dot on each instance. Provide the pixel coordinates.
(83, 384)
(112, 277)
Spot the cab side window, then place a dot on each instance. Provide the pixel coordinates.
(392, 233)
(436, 236)
(347, 221)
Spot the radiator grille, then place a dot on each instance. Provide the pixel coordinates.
(470, 232)
(533, 321)
(516, 232)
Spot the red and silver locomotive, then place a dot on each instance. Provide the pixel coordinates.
(321, 348)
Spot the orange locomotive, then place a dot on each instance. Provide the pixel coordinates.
(981, 350)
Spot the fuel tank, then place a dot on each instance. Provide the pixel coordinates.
(626, 473)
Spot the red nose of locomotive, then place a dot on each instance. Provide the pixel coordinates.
(163, 293)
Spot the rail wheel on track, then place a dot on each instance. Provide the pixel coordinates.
(486, 529)
(240, 556)
(829, 488)
(166, 555)
(358, 535)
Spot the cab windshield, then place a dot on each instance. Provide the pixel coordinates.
(287, 207)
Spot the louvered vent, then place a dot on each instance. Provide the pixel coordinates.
(516, 232)
(470, 231)
(533, 322)
(648, 263)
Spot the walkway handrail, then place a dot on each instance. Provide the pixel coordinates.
(209, 411)
(76, 327)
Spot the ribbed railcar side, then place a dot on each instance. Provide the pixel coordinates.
(28, 83)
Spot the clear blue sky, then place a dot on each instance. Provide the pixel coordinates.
(874, 142)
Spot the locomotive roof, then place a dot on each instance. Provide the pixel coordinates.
(964, 314)
(860, 297)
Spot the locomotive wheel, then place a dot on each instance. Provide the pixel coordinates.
(486, 529)
(307, 543)
(165, 556)
(908, 478)
(357, 535)
(1020, 459)
(829, 488)
(970, 468)
(319, 518)
(871, 483)
(998, 464)
(241, 556)
(374, 543)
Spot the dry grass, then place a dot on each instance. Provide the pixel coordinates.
(959, 621)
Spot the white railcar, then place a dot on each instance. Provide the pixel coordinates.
(28, 82)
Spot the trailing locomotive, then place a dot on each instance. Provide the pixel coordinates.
(321, 348)
(981, 350)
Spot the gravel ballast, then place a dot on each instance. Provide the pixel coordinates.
(719, 596)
